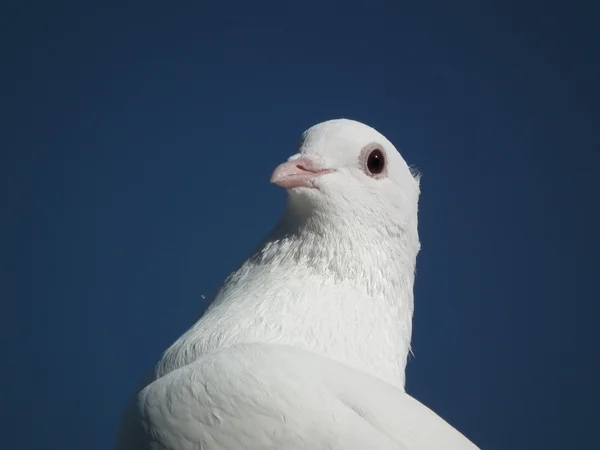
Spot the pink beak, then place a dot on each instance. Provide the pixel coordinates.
(297, 173)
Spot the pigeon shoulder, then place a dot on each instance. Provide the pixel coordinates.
(265, 396)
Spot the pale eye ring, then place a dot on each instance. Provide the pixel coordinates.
(374, 161)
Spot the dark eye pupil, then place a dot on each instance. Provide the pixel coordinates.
(376, 162)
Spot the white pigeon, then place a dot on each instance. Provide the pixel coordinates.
(305, 345)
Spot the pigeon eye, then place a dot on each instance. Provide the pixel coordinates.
(376, 162)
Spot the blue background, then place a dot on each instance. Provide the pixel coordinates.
(137, 141)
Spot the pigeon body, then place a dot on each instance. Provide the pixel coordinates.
(305, 345)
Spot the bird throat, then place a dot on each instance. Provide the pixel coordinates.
(343, 292)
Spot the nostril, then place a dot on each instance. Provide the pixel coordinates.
(306, 166)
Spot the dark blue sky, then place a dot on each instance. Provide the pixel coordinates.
(137, 140)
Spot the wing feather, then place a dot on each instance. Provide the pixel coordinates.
(260, 396)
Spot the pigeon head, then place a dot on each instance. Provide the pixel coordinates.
(346, 169)
(335, 275)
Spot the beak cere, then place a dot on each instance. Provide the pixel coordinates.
(297, 173)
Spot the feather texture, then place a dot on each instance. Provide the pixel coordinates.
(305, 345)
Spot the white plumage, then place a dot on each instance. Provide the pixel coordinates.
(305, 345)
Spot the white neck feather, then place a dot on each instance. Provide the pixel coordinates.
(339, 286)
